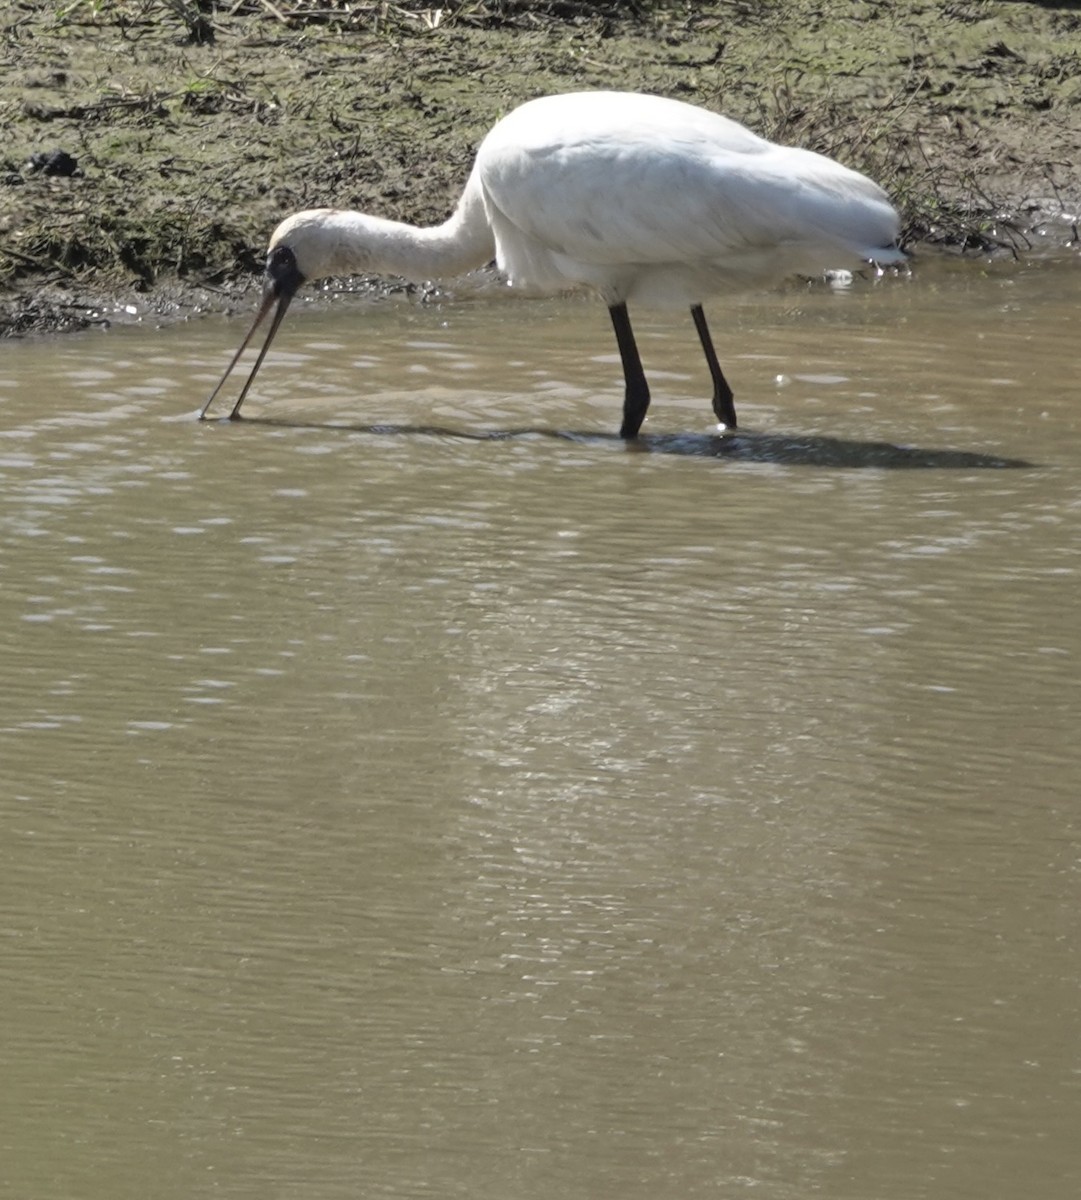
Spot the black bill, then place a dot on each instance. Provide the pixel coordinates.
(282, 281)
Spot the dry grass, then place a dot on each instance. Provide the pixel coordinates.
(200, 18)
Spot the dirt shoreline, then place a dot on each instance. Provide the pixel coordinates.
(194, 129)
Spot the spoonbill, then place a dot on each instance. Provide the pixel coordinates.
(640, 198)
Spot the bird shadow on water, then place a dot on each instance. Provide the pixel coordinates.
(779, 449)
(812, 450)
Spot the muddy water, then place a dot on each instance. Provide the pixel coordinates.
(414, 791)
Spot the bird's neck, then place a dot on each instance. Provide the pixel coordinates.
(372, 244)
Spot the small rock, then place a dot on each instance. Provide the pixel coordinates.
(54, 162)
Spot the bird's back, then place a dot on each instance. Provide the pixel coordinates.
(651, 199)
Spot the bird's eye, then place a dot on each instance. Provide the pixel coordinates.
(279, 259)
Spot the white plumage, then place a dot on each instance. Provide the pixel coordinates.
(654, 201)
(643, 199)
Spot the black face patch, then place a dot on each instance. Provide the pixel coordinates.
(281, 271)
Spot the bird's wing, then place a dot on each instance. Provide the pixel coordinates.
(608, 202)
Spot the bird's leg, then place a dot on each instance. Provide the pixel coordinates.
(636, 396)
(724, 403)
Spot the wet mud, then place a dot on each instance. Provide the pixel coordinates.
(151, 147)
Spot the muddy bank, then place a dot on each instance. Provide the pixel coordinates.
(193, 128)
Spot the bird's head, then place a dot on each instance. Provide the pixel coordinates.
(302, 248)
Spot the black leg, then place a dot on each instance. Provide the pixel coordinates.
(724, 404)
(636, 397)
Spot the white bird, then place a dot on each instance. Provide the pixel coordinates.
(644, 200)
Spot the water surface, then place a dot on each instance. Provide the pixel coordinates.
(412, 790)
